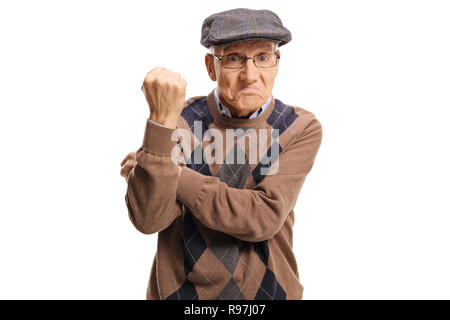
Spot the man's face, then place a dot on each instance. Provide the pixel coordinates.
(243, 90)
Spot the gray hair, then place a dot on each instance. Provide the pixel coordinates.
(212, 48)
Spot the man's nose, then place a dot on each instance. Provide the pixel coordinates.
(249, 71)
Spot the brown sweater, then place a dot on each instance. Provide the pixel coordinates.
(224, 229)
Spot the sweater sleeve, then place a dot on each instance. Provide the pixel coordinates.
(152, 183)
(253, 214)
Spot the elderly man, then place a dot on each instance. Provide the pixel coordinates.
(224, 227)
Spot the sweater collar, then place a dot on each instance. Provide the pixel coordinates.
(225, 121)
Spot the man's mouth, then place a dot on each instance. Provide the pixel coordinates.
(252, 88)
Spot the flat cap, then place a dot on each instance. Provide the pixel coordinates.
(243, 24)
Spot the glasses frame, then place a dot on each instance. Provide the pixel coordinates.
(220, 58)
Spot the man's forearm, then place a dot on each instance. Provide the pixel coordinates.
(152, 183)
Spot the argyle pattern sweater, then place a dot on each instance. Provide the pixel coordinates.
(224, 229)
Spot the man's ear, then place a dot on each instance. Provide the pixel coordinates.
(209, 62)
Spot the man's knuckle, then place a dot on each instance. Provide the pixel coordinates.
(147, 81)
(157, 81)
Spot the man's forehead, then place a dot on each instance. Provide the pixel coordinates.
(249, 44)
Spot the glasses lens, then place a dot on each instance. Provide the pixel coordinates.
(265, 60)
(233, 61)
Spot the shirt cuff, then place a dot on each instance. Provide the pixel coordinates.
(159, 124)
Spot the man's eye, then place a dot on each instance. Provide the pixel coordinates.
(233, 58)
(263, 57)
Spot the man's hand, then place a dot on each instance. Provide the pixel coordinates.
(128, 164)
(165, 92)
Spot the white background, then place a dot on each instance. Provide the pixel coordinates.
(372, 220)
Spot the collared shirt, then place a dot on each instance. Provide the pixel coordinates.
(226, 112)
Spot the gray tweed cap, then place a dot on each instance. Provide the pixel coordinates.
(243, 24)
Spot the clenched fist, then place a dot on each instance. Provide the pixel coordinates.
(165, 92)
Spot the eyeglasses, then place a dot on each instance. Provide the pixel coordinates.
(238, 61)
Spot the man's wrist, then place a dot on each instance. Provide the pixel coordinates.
(168, 122)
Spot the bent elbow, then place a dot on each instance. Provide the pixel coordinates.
(148, 220)
(144, 228)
